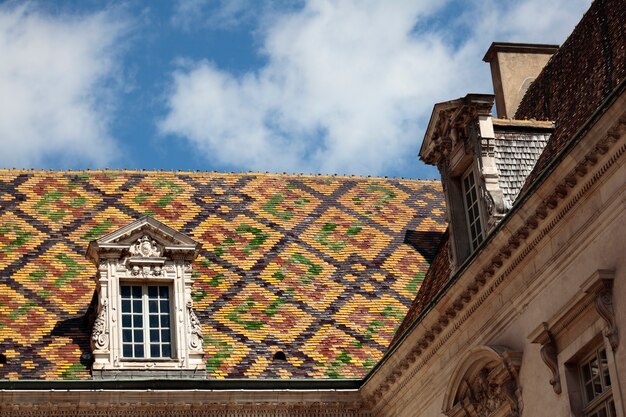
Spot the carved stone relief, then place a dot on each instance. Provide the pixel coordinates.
(196, 339)
(146, 247)
(100, 336)
(487, 385)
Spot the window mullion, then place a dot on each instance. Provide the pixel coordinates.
(146, 322)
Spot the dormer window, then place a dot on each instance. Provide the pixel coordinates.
(472, 208)
(146, 326)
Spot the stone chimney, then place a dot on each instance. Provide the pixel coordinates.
(514, 66)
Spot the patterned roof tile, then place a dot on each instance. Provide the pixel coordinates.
(312, 266)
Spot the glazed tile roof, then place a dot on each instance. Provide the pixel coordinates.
(313, 266)
(590, 64)
(437, 276)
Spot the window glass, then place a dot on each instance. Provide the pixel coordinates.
(146, 321)
(472, 209)
(596, 381)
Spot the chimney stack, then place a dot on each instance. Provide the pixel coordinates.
(514, 66)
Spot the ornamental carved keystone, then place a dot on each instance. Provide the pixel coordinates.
(485, 384)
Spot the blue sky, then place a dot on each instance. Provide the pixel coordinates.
(322, 86)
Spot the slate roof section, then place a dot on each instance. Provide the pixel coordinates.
(314, 266)
(590, 64)
(516, 149)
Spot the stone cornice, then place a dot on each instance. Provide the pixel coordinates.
(186, 403)
(523, 231)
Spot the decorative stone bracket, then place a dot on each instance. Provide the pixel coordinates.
(601, 289)
(549, 355)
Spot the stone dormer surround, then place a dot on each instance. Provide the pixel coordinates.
(460, 135)
(145, 252)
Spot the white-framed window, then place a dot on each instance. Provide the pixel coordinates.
(472, 208)
(146, 325)
(596, 385)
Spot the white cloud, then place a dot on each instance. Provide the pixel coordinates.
(349, 85)
(57, 74)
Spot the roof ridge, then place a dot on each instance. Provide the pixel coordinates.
(199, 172)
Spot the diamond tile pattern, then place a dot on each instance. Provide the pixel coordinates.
(313, 266)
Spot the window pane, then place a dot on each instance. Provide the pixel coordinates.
(167, 352)
(125, 306)
(125, 291)
(154, 306)
(154, 320)
(136, 291)
(152, 292)
(126, 320)
(128, 351)
(155, 351)
(606, 378)
(139, 351)
(137, 306)
(137, 320)
(154, 335)
(127, 336)
(165, 335)
(138, 335)
(165, 306)
(165, 320)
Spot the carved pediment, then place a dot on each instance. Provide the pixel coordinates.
(144, 238)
